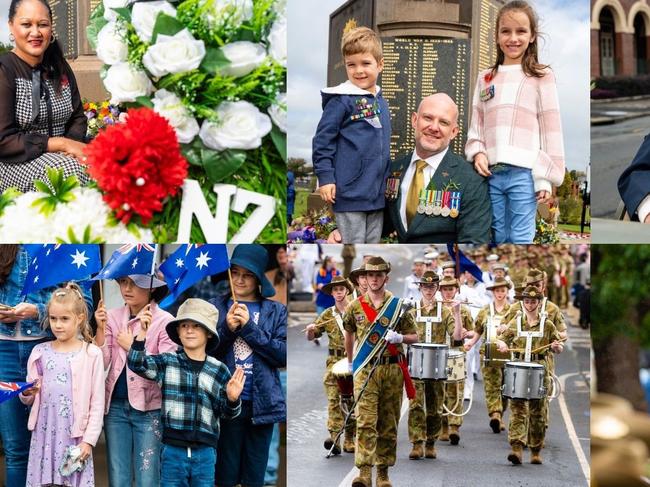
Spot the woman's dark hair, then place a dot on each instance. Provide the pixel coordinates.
(54, 62)
(158, 293)
(8, 255)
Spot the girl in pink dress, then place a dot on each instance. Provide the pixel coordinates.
(68, 397)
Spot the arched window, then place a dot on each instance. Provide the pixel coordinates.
(607, 39)
(640, 49)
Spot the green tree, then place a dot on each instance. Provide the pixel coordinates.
(620, 317)
(564, 190)
(5, 47)
(299, 167)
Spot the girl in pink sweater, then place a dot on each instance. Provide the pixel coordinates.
(68, 397)
(515, 135)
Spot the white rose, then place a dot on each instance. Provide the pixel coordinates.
(144, 14)
(241, 126)
(126, 83)
(278, 112)
(111, 44)
(233, 11)
(278, 41)
(244, 57)
(174, 54)
(170, 106)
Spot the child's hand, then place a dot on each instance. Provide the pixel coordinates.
(334, 237)
(86, 451)
(146, 317)
(237, 316)
(647, 219)
(35, 389)
(481, 165)
(543, 196)
(328, 192)
(101, 316)
(125, 339)
(235, 385)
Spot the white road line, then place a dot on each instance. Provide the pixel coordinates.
(347, 481)
(575, 441)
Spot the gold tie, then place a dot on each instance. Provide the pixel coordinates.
(417, 185)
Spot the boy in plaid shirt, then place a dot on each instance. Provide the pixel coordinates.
(197, 390)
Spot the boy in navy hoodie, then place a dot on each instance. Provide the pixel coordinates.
(351, 147)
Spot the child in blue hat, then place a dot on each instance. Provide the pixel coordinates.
(253, 335)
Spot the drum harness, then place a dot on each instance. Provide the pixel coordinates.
(376, 361)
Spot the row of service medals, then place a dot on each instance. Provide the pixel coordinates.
(439, 203)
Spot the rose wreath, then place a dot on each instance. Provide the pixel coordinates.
(214, 71)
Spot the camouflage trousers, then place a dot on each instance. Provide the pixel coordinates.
(335, 413)
(378, 413)
(528, 420)
(492, 381)
(425, 410)
(454, 392)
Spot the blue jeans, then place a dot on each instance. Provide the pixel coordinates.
(13, 413)
(243, 450)
(514, 204)
(271, 475)
(132, 445)
(183, 467)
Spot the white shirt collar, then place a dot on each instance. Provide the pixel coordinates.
(433, 161)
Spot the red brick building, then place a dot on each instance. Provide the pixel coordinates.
(620, 37)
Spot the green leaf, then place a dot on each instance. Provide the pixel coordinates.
(214, 61)
(95, 24)
(280, 140)
(166, 25)
(123, 12)
(145, 101)
(42, 187)
(61, 191)
(7, 198)
(220, 165)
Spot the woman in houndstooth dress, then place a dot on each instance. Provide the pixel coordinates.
(49, 133)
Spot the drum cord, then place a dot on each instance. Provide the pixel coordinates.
(451, 413)
(556, 388)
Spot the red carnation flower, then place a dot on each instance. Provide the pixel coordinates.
(488, 76)
(137, 164)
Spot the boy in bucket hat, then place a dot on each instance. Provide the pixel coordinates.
(197, 390)
(253, 335)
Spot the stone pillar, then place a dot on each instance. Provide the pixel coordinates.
(625, 62)
(595, 53)
(83, 60)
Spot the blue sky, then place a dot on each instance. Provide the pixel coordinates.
(566, 49)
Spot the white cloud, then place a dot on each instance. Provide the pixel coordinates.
(4, 28)
(566, 48)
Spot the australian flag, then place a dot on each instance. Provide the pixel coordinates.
(130, 259)
(465, 263)
(189, 264)
(12, 389)
(52, 264)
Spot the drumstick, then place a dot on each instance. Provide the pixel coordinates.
(536, 350)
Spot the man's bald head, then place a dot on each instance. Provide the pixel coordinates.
(435, 124)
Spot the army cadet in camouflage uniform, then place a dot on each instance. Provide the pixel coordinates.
(492, 374)
(378, 408)
(528, 421)
(331, 322)
(358, 278)
(454, 391)
(425, 410)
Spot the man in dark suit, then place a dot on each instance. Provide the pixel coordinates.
(464, 212)
(433, 167)
(634, 184)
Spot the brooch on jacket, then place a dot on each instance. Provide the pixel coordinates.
(487, 93)
(365, 110)
(392, 186)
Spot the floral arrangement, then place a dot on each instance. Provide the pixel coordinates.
(216, 71)
(100, 116)
(313, 228)
(545, 233)
(62, 211)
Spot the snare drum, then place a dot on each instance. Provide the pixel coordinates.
(456, 366)
(343, 377)
(428, 361)
(494, 358)
(524, 380)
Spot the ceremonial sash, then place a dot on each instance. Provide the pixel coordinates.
(381, 321)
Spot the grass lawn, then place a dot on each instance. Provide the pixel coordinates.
(301, 202)
(572, 228)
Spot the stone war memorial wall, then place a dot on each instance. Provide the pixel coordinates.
(64, 16)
